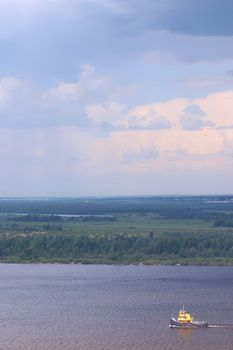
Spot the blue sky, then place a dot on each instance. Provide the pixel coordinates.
(105, 97)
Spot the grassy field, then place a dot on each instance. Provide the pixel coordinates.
(119, 230)
(134, 224)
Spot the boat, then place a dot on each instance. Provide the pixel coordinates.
(186, 320)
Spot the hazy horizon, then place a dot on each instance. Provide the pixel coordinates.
(209, 195)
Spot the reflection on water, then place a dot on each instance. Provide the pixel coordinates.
(185, 332)
(76, 307)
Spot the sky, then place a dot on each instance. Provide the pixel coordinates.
(116, 97)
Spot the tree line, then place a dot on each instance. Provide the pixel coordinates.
(119, 247)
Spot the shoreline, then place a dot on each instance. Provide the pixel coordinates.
(162, 262)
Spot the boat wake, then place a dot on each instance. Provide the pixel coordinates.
(218, 325)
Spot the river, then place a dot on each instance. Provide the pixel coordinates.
(98, 307)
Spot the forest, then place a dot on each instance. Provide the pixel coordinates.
(121, 230)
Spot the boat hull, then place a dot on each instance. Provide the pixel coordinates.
(196, 324)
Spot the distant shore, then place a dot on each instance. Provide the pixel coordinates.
(118, 231)
(103, 261)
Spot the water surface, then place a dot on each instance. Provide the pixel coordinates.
(112, 307)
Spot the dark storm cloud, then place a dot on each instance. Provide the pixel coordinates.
(192, 17)
(197, 17)
(50, 42)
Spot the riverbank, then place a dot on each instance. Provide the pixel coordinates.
(108, 261)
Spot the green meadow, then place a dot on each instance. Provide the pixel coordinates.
(147, 230)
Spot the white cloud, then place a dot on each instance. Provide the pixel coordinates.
(81, 103)
(171, 110)
(108, 113)
(219, 108)
(193, 122)
(16, 101)
(227, 150)
(8, 89)
(149, 119)
(73, 161)
(217, 111)
(118, 115)
(25, 105)
(143, 154)
(193, 118)
(88, 83)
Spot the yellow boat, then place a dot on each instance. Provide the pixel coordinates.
(186, 320)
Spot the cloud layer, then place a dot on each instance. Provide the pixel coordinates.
(56, 137)
(116, 97)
